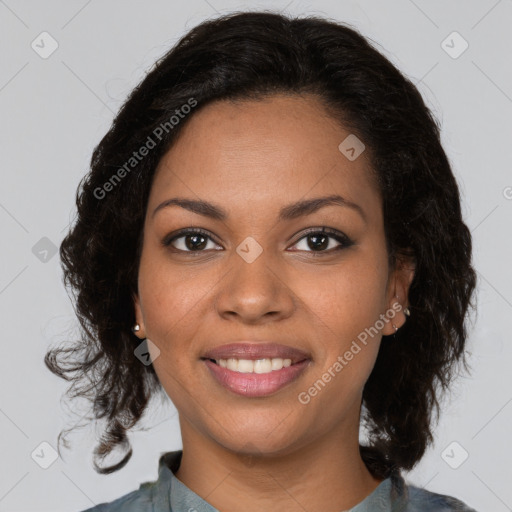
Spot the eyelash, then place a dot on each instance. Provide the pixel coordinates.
(340, 237)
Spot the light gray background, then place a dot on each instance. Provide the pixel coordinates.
(55, 110)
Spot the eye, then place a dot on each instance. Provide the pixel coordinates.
(322, 240)
(193, 240)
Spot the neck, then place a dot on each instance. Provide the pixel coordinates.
(327, 474)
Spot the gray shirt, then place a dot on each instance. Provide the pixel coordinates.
(168, 494)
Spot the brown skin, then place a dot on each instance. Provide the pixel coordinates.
(252, 158)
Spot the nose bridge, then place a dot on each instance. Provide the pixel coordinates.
(252, 269)
(253, 287)
(253, 264)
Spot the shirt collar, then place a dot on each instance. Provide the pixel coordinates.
(172, 494)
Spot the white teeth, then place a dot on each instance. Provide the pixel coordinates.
(254, 366)
(232, 364)
(277, 364)
(244, 366)
(262, 366)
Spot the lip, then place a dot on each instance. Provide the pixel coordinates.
(254, 385)
(253, 351)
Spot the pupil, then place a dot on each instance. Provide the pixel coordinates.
(322, 244)
(192, 245)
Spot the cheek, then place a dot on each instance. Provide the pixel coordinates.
(170, 296)
(349, 298)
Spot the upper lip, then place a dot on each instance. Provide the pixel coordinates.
(260, 350)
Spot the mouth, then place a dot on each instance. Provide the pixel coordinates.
(245, 353)
(259, 366)
(255, 370)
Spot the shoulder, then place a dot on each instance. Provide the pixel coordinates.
(421, 500)
(152, 496)
(140, 500)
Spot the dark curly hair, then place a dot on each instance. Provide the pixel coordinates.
(249, 56)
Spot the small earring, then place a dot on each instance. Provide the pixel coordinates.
(407, 312)
(396, 328)
(136, 328)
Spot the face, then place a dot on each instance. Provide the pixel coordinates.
(264, 273)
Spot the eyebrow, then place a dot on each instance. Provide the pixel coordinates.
(289, 212)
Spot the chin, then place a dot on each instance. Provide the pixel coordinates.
(267, 441)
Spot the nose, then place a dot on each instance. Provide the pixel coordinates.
(255, 291)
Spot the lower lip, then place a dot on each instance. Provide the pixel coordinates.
(256, 384)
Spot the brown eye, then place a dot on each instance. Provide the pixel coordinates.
(189, 240)
(323, 241)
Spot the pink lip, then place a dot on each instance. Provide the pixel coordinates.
(256, 384)
(255, 351)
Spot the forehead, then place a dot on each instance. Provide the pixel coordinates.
(277, 149)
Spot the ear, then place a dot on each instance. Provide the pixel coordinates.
(141, 333)
(398, 292)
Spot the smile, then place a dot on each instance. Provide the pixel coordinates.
(255, 378)
(265, 365)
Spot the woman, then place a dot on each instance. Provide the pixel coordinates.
(271, 234)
